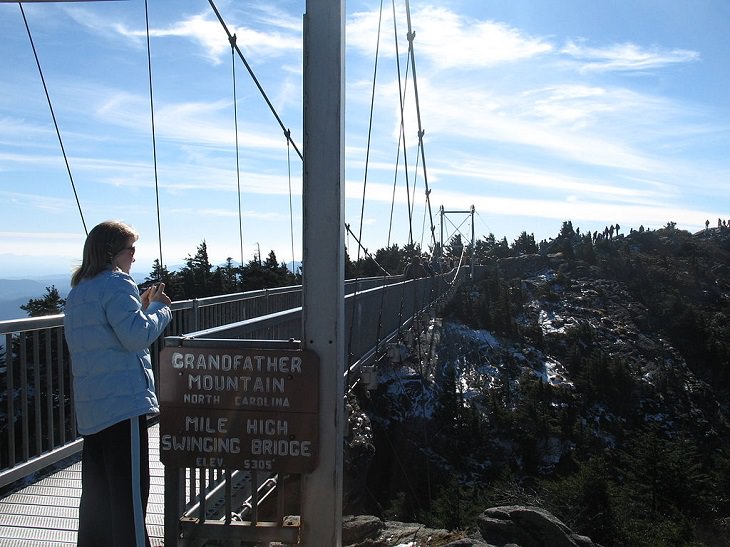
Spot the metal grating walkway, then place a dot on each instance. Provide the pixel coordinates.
(45, 513)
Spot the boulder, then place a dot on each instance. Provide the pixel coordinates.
(527, 527)
(359, 528)
(370, 531)
(506, 526)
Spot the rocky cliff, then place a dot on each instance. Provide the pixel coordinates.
(589, 380)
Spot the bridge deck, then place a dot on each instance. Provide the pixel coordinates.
(45, 513)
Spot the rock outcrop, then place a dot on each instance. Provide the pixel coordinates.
(592, 375)
(527, 527)
(513, 526)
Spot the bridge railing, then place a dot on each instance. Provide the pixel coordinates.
(374, 314)
(199, 501)
(37, 424)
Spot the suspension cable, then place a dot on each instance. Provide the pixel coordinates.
(154, 141)
(411, 36)
(457, 228)
(358, 238)
(238, 163)
(291, 209)
(287, 133)
(53, 116)
(402, 133)
(367, 253)
(370, 127)
(401, 140)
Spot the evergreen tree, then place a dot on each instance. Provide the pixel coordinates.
(227, 277)
(566, 230)
(196, 275)
(454, 247)
(584, 500)
(350, 271)
(446, 417)
(489, 247)
(158, 274)
(258, 275)
(525, 244)
(49, 304)
(173, 282)
(391, 258)
(482, 248)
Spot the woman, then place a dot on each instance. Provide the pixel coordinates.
(109, 328)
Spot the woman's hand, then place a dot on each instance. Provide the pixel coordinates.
(145, 297)
(157, 294)
(154, 293)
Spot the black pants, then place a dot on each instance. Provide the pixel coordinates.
(115, 482)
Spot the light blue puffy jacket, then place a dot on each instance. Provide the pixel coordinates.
(108, 336)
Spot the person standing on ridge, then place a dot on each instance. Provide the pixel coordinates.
(109, 328)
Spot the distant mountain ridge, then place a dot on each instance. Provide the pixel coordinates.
(16, 292)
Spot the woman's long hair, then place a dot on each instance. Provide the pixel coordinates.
(103, 243)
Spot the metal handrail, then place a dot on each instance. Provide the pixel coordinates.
(378, 315)
(37, 425)
(42, 429)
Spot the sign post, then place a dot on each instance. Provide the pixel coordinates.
(323, 271)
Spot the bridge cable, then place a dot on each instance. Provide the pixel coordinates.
(287, 133)
(411, 204)
(488, 228)
(423, 224)
(367, 253)
(401, 140)
(53, 116)
(457, 229)
(402, 90)
(365, 183)
(402, 131)
(411, 36)
(370, 126)
(232, 41)
(154, 141)
(291, 209)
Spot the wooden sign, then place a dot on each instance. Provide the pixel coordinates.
(253, 409)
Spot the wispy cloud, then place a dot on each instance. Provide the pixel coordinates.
(37, 202)
(205, 31)
(625, 56)
(39, 235)
(455, 42)
(446, 39)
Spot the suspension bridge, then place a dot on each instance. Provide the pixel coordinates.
(324, 337)
(40, 456)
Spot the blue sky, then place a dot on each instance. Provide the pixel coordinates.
(534, 112)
